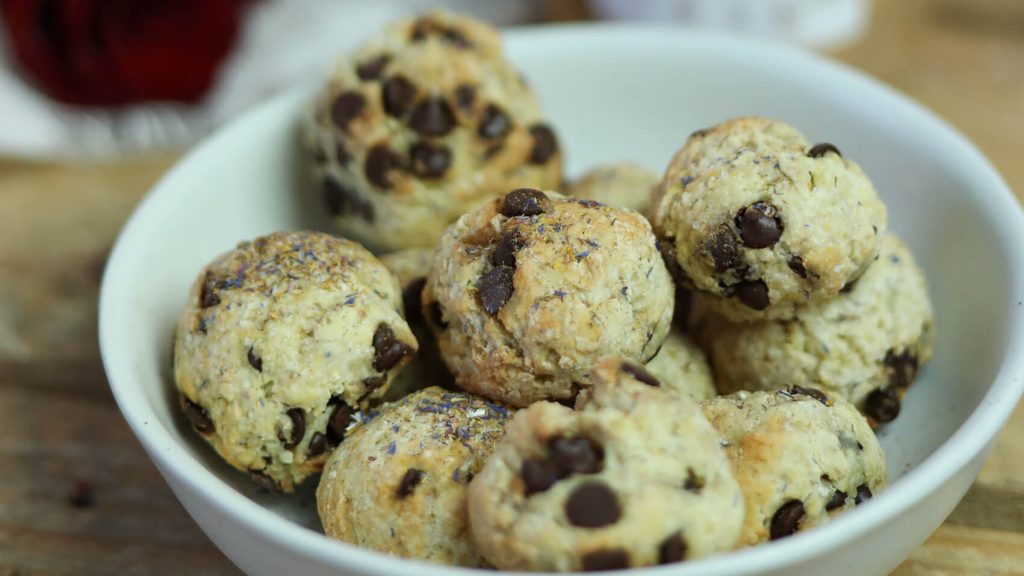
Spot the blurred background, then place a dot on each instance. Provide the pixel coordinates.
(99, 98)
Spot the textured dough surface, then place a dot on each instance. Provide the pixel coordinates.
(682, 367)
(623, 185)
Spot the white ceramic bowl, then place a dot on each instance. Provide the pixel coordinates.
(614, 93)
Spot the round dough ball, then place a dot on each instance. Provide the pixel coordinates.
(800, 458)
(529, 290)
(623, 185)
(865, 345)
(424, 122)
(281, 341)
(636, 477)
(681, 367)
(398, 483)
(762, 222)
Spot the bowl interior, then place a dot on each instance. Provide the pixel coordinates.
(623, 95)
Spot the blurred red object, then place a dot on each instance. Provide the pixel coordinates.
(111, 52)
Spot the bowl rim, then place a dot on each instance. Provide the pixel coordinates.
(969, 441)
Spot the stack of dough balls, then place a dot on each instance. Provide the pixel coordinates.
(618, 372)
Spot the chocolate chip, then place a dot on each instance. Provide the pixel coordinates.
(601, 560)
(411, 301)
(373, 382)
(197, 416)
(903, 367)
(848, 287)
(339, 421)
(341, 153)
(819, 150)
(883, 404)
(380, 161)
(812, 392)
(693, 483)
(525, 202)
(387, 350)
(397, 94)
(432, 117)
(700, 133)
(759, 224)
(753, 293)
(298, 418)
(592, 505)
(337, 196)
(254, 360)
(863, 494)
(317, 445)
(373, 68)
(430, 160)
(494, 123)
(796, 264)
(838, 500)
(576, 455)
(420, 29)
(722, 247)
(538, 475)
(456, 38)
(81, 495)
(672, 549)
(508, 244)
(346, 108)
(545, 144)
(436, 315)
(640, 373)
(208, 291)
(266, 483)
(495, 288)
(465, 95)
(413, 477)
(786, 519)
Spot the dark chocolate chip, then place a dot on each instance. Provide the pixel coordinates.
(373, 382)
(373, 68)
(380, 161)
(753, 293)
(465, 95)
(545, 144)
(339, 421)
(456, 38)
(429, 160)
(848, 287)
(903, 367)
(538, 475)
(197, 416)
(672, 549)
(412, 301)
(812, 392)
(432, 117)
(266, 483)
(863, 494)
(693, 483)
(420, 29)
(883, 404)
(413, 477)
(346, 108)
(722, 248)
(796, 264)
(602, 560)
(494, 123)
(81, 495)
(208, 292)
(397, 94)
(838, 500)
(592, 505)
(700, 133)
(387, 350)
(254, 360)
(525, 202)
(495, 288)
(510, 242)
(759, 224)
(819, 150)
(640, 373)
(317, 445)
(437, 315)
(786, 519)
(577, 455)
(343, 199)
(298, 418)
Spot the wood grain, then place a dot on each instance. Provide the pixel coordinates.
(59, 425)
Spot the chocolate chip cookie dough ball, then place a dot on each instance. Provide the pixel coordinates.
(636, 477)
(682, 367)
(398, 483)
(800, 457)
(865, 345)
(528, 291)
(426, 368)
(281, 342)
(623, 185)
(763, 222)
(421, 124)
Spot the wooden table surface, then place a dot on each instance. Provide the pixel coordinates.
(79, 496)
